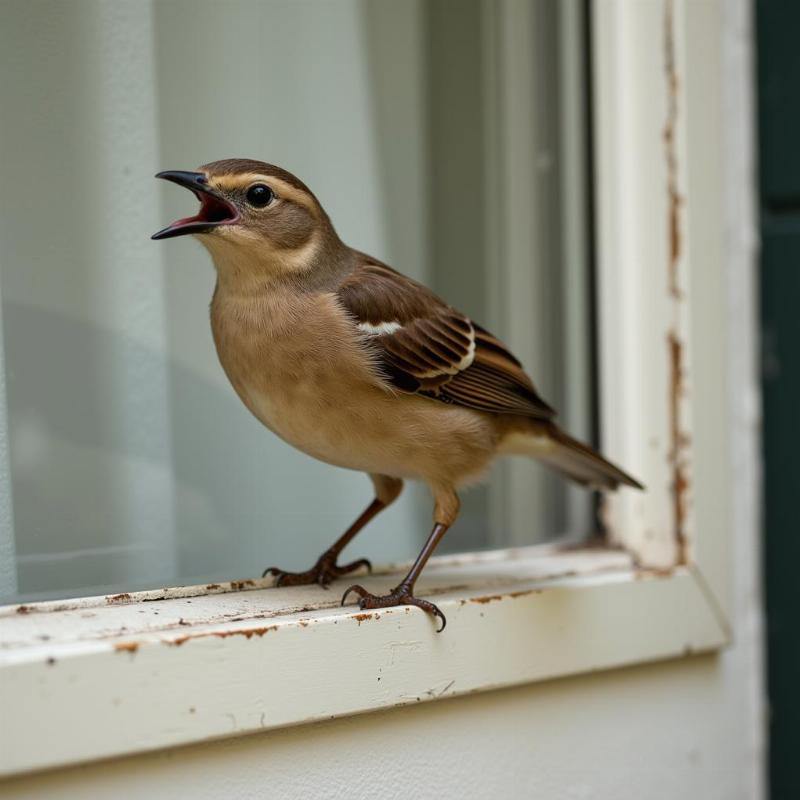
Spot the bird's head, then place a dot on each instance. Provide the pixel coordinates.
(253, 213)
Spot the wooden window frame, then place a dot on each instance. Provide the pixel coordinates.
(100, 677)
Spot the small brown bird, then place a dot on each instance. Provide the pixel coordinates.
(358, 365)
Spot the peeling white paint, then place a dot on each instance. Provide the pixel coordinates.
(131, 668)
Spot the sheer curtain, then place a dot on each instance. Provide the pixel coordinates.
(84, 309)
(128, 460)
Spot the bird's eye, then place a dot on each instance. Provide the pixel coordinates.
(260, 195)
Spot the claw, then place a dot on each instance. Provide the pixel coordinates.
(270, 571)
(433, 609)
(400, 596)
(359, 590)
(323, 572)
(354, 565)
(427, 606)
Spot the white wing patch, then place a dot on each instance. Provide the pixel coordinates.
(380, 329)
(470, 356)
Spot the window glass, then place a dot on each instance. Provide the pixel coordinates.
(443, 138)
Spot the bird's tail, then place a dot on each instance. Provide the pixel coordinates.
(547, 443)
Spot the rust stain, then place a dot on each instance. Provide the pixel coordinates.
(362, 617)
(237, 586)
(525, 593)
(679, 441)
(118, 598)
(212, 586)
(487, 599)
(447, 589)
(652, 572)
(678, 446)
(126, 647)
(248, 633)
(670, 151)
(492, 597)
(24, 609)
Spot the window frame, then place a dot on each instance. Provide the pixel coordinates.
(149, 670)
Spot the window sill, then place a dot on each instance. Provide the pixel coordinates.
(214, 661)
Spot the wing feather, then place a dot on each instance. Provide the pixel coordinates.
(426, 347)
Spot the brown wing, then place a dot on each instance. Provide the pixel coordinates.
(426, 347)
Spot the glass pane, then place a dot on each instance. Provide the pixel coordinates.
(447, 139)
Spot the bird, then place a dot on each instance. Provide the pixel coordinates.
(360, 366)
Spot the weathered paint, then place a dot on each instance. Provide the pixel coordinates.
(226, 653)
(679, 450)
(653, 217)
(248, 633)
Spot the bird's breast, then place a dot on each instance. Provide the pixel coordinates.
(299, 367)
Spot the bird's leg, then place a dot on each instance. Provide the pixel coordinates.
(445, 513)
(326, 569)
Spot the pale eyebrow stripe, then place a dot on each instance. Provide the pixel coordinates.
(281, 187)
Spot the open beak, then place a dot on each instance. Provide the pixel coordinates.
(214, 209)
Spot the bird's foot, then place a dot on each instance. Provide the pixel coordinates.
(401, 595)
(323, 572)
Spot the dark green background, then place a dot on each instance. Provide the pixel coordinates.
(778, 24)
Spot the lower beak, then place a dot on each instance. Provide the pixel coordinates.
(215, 210)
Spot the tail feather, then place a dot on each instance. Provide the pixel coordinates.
(555, 448)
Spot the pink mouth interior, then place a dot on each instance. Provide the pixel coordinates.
(211, 210)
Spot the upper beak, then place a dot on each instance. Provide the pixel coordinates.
(215, 210)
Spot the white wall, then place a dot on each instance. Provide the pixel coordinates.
(666, 731)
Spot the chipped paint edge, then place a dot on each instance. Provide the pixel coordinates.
(255, 584)
(659, 216)
(147, 692)
(659, 128)
(679, 454)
